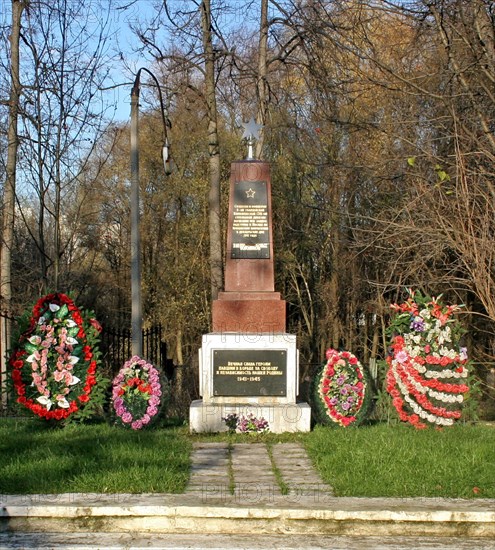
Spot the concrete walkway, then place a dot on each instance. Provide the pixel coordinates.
(253, 472)
(250, 491)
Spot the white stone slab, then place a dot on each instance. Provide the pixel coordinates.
(287, 417)
(238, 342)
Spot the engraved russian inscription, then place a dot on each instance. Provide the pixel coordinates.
(250, 226)
(249, 372)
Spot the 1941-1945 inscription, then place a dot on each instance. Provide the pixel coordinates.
(255, 372)
(250, 226)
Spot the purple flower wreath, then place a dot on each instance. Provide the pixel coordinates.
(137, 393)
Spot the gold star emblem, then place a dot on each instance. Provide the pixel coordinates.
(250, 193)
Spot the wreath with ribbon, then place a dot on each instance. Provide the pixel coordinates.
(53, 363)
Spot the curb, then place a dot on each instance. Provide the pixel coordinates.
(206, 514)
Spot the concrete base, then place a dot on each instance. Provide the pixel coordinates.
(271, 359)
(233, 514)
(286, 417)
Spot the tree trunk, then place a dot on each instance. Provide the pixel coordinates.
(262, 70)
(216, 270)
(9, 192)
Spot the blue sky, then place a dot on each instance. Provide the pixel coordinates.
(125, 42)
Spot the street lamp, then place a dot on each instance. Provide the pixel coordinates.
(136, 302)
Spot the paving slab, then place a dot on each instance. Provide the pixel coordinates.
(297, 470)
(247, 469)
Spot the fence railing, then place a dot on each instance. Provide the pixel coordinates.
(116, 345)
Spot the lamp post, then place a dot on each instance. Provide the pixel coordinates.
(136, 301)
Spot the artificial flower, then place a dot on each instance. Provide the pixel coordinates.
(342, 387)
(52, 374)
(426, 352)
(246, 423)
(137, 393)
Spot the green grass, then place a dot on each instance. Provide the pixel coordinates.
(282, 483)
(399, 461)
(91, 458)
(373, 461)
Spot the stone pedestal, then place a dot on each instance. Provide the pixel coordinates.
(248, 312)
(249, 374)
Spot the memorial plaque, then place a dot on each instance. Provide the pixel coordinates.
(250, 225)
(253, 372)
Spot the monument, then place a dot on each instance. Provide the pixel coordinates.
(248, 363)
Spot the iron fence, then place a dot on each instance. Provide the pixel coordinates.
(116, 346)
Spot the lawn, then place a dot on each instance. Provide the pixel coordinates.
(400, 461)
(91, 458)
(380, 460)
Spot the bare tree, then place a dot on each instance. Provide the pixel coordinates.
(9, 190)
(194, 57)
(65, 69)
(216, 261)
(262, 85)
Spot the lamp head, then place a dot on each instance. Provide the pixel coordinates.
(167, 159)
